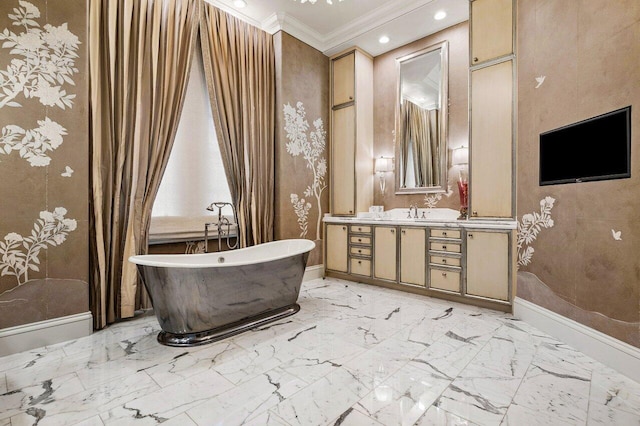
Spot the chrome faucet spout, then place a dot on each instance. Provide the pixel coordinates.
(415, 211)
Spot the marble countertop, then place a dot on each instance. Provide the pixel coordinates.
(441, 217)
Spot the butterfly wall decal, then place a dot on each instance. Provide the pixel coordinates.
(68, 171)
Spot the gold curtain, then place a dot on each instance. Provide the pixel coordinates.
(139, 59)
(421, 136)
(239, 64)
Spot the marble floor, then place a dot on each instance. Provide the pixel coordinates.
(354, 355)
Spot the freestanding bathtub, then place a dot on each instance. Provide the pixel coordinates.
(202, 298)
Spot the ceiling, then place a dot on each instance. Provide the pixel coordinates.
(348, 23)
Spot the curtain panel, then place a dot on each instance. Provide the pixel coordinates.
(239, 63)
(140, 53)
(421, 136)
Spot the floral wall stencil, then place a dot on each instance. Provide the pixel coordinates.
(312, 148)
(19, 255)
(530, 227)
(431, 200)
(44, 179)
(32, 145)
(45, 60)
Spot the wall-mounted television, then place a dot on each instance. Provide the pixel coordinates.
(598, 148)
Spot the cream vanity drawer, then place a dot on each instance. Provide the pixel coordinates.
(358, 229)
(360, 251)
(444, 246)
(358, 239)
(361, 267)
(444, 279)
(447, 261)
(445, 233)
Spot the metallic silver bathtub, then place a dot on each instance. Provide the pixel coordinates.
(202, 298)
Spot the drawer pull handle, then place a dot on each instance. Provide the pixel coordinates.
(393, 231)
(444, 274)
(344, 228)
(444, 233)
(470, 235)
(404, 232)
(444, 260)
(359, 262)
(359, 239)
(475, 59)
(359, 251)
(444, 247)
(359, 229)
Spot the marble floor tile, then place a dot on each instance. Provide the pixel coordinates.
(355, 354)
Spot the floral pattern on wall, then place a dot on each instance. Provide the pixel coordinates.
(19, 254)
(44, 61)
(431, 200)
(312, 147)
(41, 66)
(530, 227)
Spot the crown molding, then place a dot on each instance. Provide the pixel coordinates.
(220, 5)
(281, 21)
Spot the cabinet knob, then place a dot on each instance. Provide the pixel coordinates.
(470, 235)
(444, 260)
(344, 228)
(475, 59)
(359, 239)
(444, 247)
(404, 232)
(359, 262)
(350, 211)
(444, 274)
(359, 251)
(350, 98)
(474, 213)
(444, 234)
(393, 231)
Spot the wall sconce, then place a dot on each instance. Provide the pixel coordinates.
(383, 165)
(460, 158)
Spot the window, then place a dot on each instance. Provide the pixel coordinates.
(194, 177)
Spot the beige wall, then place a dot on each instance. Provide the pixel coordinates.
(302, 75)
(385, 94)
(35, 197)
(589, 52)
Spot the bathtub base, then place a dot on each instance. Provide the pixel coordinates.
(228, 330)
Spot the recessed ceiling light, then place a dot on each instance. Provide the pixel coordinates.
(384, 39)
(441, 14)
(239, 3)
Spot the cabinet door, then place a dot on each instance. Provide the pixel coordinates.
(343, 162)
(344, 79)
(412, 256)
(491, 29)
(336, 256)
(384, 253)
(488, 264)
(491, 141)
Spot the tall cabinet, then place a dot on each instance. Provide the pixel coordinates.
(351, 132)
(492, 105)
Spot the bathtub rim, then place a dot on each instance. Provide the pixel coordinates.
(148, 259)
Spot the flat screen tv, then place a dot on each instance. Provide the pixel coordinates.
(598, 148)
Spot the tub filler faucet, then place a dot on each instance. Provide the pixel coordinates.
(223, 226)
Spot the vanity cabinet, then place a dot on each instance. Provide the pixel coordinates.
(491, 30)
(491, 170)
(472, 263)
(336, 258)
(351, 146)
(488, 269)
(385, 253)
(412, 256)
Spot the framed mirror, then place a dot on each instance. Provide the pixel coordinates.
(421, 120)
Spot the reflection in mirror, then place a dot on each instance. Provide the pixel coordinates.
(421, 121)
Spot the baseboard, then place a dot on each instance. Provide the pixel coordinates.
(313, 272)
(43, 333)
(610, 351)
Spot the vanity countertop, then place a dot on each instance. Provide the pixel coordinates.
(441, 217)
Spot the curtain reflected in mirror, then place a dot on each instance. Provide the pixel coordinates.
(421, 128)
(420, 145)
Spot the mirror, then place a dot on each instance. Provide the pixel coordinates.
(421, 121)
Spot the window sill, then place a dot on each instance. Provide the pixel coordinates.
(174, 229)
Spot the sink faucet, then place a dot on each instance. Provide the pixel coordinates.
(415, 209)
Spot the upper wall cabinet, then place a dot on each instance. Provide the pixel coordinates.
(491, 30)
(343, 87)
(351, 133)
